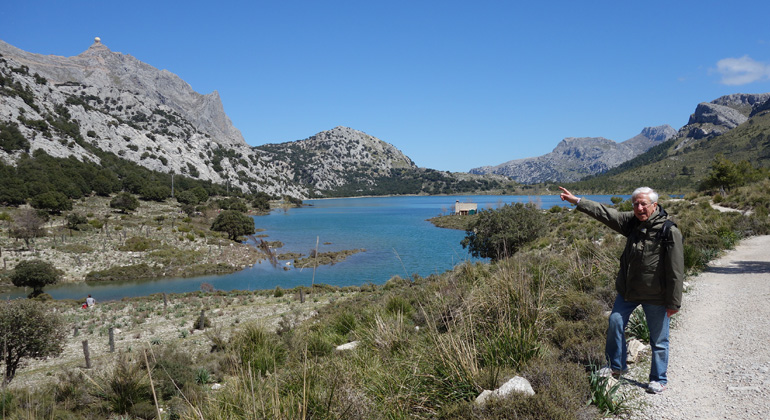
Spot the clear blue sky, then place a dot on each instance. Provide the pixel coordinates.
(453, 84)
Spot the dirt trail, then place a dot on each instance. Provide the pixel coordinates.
(719, 365)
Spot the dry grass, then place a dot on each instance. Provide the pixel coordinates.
(139, 323)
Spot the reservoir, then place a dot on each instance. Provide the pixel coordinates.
(394, 231)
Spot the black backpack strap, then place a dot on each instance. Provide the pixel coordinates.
(665, 232)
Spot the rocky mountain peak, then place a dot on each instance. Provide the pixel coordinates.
(741, 100)
(659, 133)
(97, 48)
(332, 158)
(100, 67)
(577, 157)
(715, 118)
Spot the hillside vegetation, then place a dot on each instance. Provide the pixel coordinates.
(426, 347)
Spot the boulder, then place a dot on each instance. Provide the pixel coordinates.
(347, 346)
(635, 349)
(516, 384)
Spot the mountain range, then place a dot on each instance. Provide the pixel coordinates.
(575, 158)
(102, 101)
(735, 126)
(67, 106)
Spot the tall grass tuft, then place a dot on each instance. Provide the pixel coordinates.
(255, 347)
(127, 388)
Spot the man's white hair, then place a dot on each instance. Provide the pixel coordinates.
(651, 194)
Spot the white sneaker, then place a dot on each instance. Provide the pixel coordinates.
(655, 387)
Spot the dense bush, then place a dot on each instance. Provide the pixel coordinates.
(499, 233)
(52, 201)
(125, 202)
(234, 223)
(261, 201)
(725, 175)
(155, 192)
(11, 138)
(35, 274)
(187, 197)
(30, 331)
(232, 203)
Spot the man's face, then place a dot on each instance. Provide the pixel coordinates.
(643, 207)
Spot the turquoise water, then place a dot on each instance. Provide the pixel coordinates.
(394, 231)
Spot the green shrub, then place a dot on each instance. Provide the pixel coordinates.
(196, 323)
(202, 376)
(234, 223)
(52, 201)
(35, 274)
(124, 202)
(578, 306)
(511, 347)
(130, 272)
(30, 331)
(11, 138)
(499, 233)
(75, 221)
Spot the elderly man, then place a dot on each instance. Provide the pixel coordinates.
(651, 274)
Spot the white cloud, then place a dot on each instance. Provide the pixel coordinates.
(742, 71)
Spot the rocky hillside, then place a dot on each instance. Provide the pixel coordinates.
(575, 158)
(721, 115)
(104, 101)
(331, 159)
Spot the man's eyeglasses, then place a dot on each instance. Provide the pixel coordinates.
(642, 204)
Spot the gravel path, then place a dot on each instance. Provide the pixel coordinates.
(719, 365)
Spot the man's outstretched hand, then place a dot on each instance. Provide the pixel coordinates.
(568, 196)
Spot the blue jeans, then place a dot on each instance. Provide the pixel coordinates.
(616, 349)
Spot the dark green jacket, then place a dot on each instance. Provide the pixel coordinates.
(651, 267)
